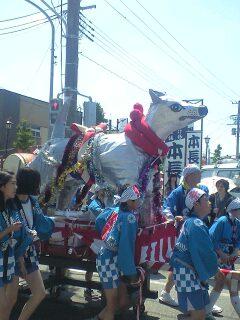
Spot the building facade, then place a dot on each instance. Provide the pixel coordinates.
(16, 108)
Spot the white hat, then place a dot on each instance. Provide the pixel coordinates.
(193, 196)
(189, 169)
(234, 205)
(130, 193)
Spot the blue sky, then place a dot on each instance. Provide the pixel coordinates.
(208, 29)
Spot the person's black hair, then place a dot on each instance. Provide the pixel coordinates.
(172, 175)
(28, 181)
(224, 182)
(5, 177)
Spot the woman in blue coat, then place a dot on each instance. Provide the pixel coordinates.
(118, 229)
(39, 227)
(13, 244)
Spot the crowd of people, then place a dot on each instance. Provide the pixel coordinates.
(22, 225)
(207, 246)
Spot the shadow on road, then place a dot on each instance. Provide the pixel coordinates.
(53, 309)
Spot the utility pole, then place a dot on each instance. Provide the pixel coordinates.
(238, 129)
(71, 67)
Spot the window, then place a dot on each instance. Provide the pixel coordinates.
(36, 132)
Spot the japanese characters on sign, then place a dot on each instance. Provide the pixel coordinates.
(193, 147)
(175, 161)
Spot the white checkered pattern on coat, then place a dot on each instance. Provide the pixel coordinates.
(108, 272)
(32, 255)
(10, 267)
(186, 280)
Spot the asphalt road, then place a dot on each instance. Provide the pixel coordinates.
(72, 306)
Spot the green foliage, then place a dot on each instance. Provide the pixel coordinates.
(24, 137)
(217, 154)
(100, 115)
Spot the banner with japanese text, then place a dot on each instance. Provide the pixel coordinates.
(193, 147)
(175, 160)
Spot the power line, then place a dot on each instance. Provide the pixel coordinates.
(186, 50)
(127, 64)
(117, 55)
(114, 73)
(25, 16)
(22, 29)
(134, 60)
(206, 81)
(25, 24)
(220, 93)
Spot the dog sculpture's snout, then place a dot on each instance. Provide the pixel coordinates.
(203, 111)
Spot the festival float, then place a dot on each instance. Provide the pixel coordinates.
(91, 156)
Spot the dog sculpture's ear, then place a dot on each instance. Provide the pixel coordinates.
(155, 95)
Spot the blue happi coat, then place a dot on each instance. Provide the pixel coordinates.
(225, 234)
(193, 260)
(118, 229)
(15, 245)
(96, 207)
(176, 200)
(41, 223)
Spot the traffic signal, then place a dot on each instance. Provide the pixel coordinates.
(55, 105)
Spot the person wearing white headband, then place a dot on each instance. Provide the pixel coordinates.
(225, 235)
(118, 229)
(174, 208)
(194, 260)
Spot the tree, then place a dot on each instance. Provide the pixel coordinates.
(24, 137)
(217, 154)
(100, 114)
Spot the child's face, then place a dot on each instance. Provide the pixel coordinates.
(132, 204)
(203, 206)
(9, 189)
(220, 188)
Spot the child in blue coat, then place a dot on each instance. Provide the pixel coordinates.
(118, 229)
(225, 235)
(95, 207)
(13, 244)
(194, 260)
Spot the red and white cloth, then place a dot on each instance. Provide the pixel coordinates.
(154, 244)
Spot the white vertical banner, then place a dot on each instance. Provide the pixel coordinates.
(175, 160)
(193, 147)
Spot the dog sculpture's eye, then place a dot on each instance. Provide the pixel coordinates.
(176, 107)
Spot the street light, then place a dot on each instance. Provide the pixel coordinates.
(8, 126)
(207, 139)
